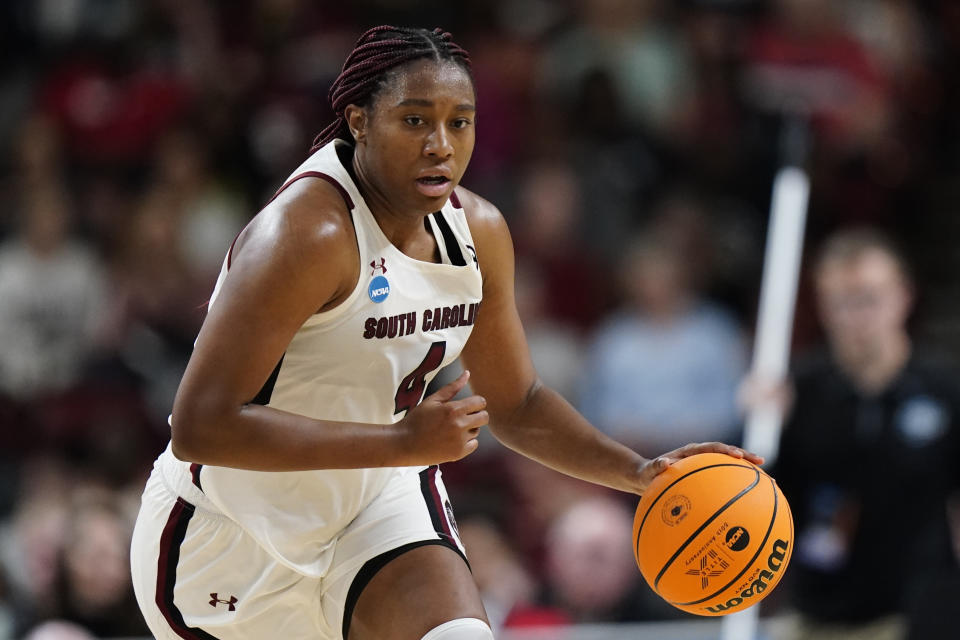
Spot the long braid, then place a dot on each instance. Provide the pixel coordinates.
(378, 51)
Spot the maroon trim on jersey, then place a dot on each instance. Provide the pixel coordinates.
(454, 200)
(230, 250)
(174, 533)
(438, 514)
(316, 174)
(306, 174)
(195, 474)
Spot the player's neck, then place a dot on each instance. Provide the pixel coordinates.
(402, 228)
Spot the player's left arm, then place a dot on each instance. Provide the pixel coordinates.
(526, 415)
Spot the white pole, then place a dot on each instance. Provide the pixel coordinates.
(778, 294)
(771, 354)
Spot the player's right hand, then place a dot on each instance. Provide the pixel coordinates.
(651, 468)
(442, 429)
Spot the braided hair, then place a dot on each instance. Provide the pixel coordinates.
(378, 51)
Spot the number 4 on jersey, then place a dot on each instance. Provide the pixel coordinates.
(414, 384)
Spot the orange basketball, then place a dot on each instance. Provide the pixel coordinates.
(713, 534)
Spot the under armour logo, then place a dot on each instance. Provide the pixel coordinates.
(382, 266)
(215, 600)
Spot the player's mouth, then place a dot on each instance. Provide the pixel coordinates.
(433, 186)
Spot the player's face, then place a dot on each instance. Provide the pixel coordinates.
(864, 303)
(419, 135)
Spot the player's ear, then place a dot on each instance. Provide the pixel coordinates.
(356, 118)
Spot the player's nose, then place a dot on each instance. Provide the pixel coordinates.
(438, 143)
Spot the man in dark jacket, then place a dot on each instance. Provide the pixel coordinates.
(869, 458)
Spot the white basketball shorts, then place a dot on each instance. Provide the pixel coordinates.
(198, 575)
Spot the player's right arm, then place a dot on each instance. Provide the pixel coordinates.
(297, 257)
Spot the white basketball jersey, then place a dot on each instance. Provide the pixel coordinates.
(367, 360)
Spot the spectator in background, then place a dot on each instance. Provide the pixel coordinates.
(665, 367)
(95, 587)
(154, 284)
(897, 41)
(64, 553)
(58, 630)
(53, 291)
(556, 347)
(590, 574)
(805, 62)
(506, 586)
(648, 64)
(157, 299)
(804, 58)
(549, 240)
(868, 459)
(713, 136)
(616, 166)
(36, 162)
(208, 214)
(31, 539)
(112, 101)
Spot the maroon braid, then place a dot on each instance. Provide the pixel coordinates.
(378, 51)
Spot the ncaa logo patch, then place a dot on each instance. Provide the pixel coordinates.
(379, 289)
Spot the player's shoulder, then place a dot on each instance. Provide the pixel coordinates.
(309, 219)
(483, 217)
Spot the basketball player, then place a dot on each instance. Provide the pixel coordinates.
(300, 496)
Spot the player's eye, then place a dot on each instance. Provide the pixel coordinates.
(461, 123)
(413, 121)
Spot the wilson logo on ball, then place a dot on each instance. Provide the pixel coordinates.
(760, 584)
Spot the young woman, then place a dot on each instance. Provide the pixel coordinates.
(300, 496)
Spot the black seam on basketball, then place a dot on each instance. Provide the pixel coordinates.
(748, 565)
(375, 564)
(667, 488)
(676, 554)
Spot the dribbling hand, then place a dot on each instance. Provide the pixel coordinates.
(651, 468)
(442, 429)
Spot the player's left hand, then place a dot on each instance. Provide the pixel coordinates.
(651, 468)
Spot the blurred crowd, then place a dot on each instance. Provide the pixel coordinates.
(631, 145)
